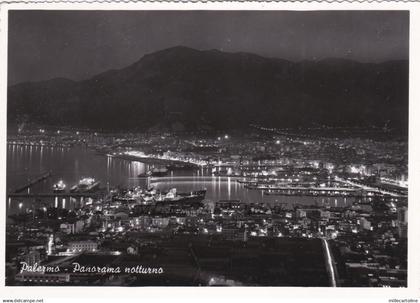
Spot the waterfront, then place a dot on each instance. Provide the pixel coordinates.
(70, 164)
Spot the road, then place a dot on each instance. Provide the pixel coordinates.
(329, 262)
(369, 188)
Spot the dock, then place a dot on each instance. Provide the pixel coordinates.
(53, 195)
(152, 160)
(32, 182)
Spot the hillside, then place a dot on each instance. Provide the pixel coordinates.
(216, 90)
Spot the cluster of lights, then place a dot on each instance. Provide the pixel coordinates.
(87, 181)
(164, 157)
(226, 137)
(61, 184)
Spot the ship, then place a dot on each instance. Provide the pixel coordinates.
(159, 172)
(181, 166)
(151, 196)
(155, 172)
(145, 175)
(59, 187)
(85, 185)
(173, 197)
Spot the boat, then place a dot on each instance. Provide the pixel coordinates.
(155, 172)
(191, 197)
(85, 185)
(181, 166)
(145, 175)
(59, 187)
(159, 172)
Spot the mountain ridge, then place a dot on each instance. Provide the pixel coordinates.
(207, 89)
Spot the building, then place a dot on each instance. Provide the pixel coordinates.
(31, 258)
(82, 246)
(160, 222)
(72, 228)
(365, 224)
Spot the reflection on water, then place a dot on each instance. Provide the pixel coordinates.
(69, 165)
(220, 188)
(25, 162)
(72, 164)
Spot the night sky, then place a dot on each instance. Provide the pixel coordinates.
(80, 44)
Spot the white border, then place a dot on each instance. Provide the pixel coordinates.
(245, 294)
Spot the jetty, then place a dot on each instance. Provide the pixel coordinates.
(32, 182)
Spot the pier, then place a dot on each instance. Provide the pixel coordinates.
(53, 195)
(153, 160)
(32, 182)
(319, 191)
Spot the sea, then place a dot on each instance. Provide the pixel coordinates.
(70, 164)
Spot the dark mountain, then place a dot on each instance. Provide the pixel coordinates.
(222, 91)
